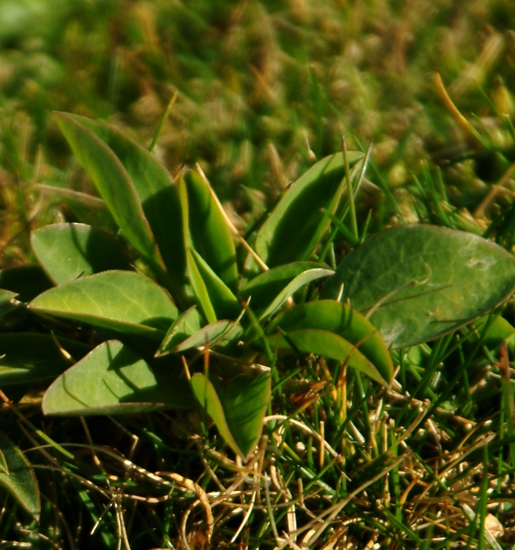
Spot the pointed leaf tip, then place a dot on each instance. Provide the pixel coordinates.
(236, 406)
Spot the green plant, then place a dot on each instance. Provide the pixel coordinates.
(171, 313)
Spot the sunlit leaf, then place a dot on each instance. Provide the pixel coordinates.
(213, 296)
(210, 235)
(498, 330)
(296, 225)
(200, 289)
(220, 332)
(420, 282)
(114, 184)
(157, 193)
(187, 324)
(342, 320)
(119, 300)
(113, 380)
(6, 301)
(292, 287)
(265, 287)
(326, 344)
(3, 463)
(17, 476)
(68, 251)
(223, 301)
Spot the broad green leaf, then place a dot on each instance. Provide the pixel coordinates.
(113, 380)
(329, 345)
(18, 477)
(342, 320)
(114, 184)
(218, 333)
(157, 193)
(210, 235)
(187, 324)
(237, 407)
(420, 282)
(292, 287)
(30, 357)
(6, 301)
(223, 301)
(27, 281)
(68, 251)
(266, 286)
(119, 300)
(297, 224)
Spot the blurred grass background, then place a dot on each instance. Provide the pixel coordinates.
(264, 88)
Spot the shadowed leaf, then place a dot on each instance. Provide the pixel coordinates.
(17, 476)
(27, 281)
(113, 380)
(420, 282)
(31, 357)
(68, 251)
(237, 407)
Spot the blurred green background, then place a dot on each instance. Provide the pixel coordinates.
(264, 88)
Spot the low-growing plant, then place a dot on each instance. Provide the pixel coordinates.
(177, 309)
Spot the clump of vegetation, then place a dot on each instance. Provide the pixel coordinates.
(233, 328)
(259, 390)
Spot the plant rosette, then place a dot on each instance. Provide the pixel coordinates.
(181, 316)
